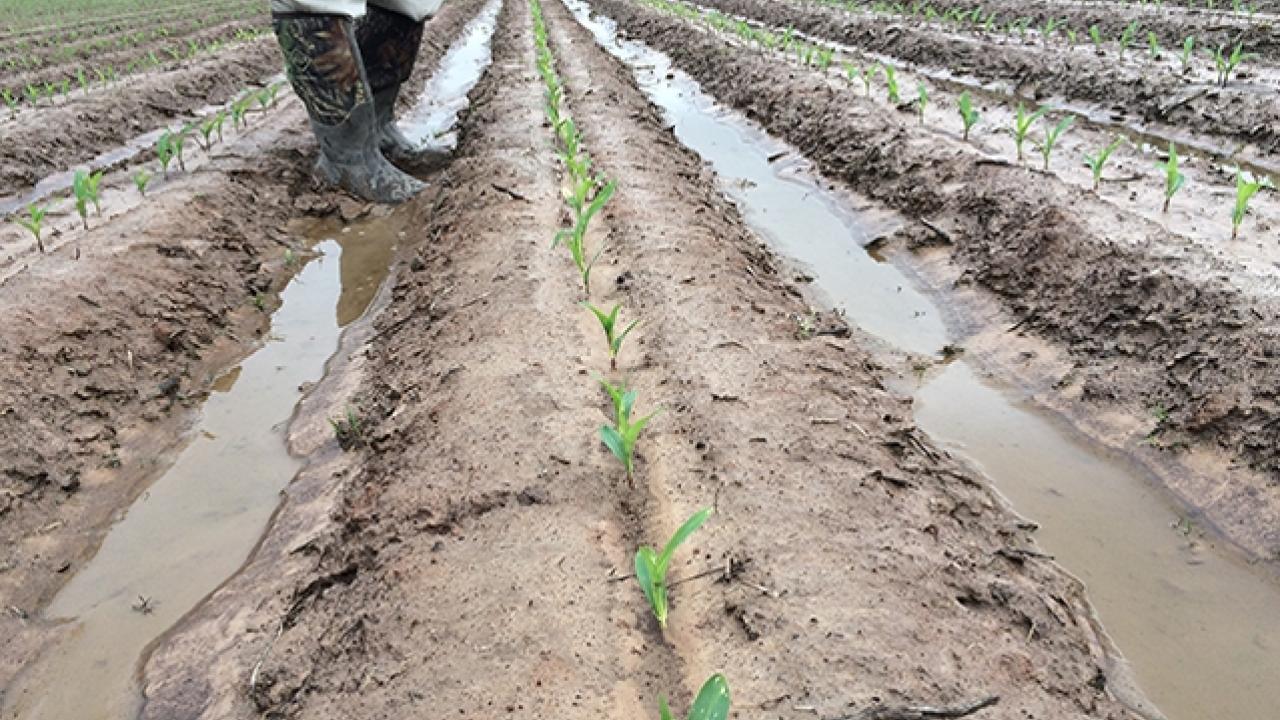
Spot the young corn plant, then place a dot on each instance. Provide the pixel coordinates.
(207, 130)
(868, 75)
(179, 143)
(968, 114)
(652, 566)
(1227, 64)
(1098, 162)
(1127, 36)
(140, 180)
(34, 223)
(922, 100)
(1153, 45)
(622, 436)
(1096, 36)
(712, 702)
(1173, 177)
(1246, 188)
(10, 101)
(1188, 47)
(575, 236)
(1051, 137)
(891, 83)
(609, 323)
(165, 151)
(95, 191)
(83, 194)
(1022, 123)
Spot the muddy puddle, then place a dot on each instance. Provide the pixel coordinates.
(197, 524)
(194, 527)
(1198, 626)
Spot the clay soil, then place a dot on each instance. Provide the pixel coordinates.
(1133, 91)
(470, 556)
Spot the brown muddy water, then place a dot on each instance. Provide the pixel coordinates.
(1199, 628)
(195, 526)
(199, 522)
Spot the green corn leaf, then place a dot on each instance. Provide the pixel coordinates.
(617, 341)
(614, 442)
(687, 529)
(647, 576)
(663, 710)
(713, 699)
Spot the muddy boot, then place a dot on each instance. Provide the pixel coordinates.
(389, 44)
(327, 73)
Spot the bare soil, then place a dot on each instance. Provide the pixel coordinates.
(465, 559)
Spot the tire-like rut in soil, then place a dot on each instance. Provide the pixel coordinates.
(1147, 320)
(460, 562)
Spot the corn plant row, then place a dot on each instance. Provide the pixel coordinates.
(821, 56)
(86, 186)
(1224, 59)
(86, 79)
(586, 196)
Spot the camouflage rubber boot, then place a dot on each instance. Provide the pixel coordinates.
(327, 73)
(389, 44)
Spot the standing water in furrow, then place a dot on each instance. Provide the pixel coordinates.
(1199, 627)
(197, 524)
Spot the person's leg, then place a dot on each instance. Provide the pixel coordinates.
(389, 42)
(324, 65)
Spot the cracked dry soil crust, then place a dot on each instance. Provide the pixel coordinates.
(462, 562)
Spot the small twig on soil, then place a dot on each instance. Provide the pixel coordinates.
(253, 676)
(937, 231)
(921, 712)
(510, 193)
(1125, 179)
(1021, 554)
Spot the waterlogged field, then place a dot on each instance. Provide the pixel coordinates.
(749, 358)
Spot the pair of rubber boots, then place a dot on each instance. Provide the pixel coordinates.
(348, 74)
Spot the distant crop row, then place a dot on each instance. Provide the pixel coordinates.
(823, 57)
(586, 196)
(90, 75)
(1225, 59)
(170, 147)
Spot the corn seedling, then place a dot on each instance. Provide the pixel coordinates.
(207, 129)
(1226, 64)
(968, 114)
(80, 188)
(1173, 177)
(179, 140)
(1098, 162)
(575, 237)
(1127, 35)
(891, 83)
(1188, 46)
(1022, 123)
(1096, 36)
(922, 99)
(868, 76)
(1246, 188)
(165, 151)
(712, 702)
(1153, 45)
(34, 222)
(140, 180)
(95, 191)
(10, 102)
(622, 436)
(652, 566)
(609, 322)
(1051, 137)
